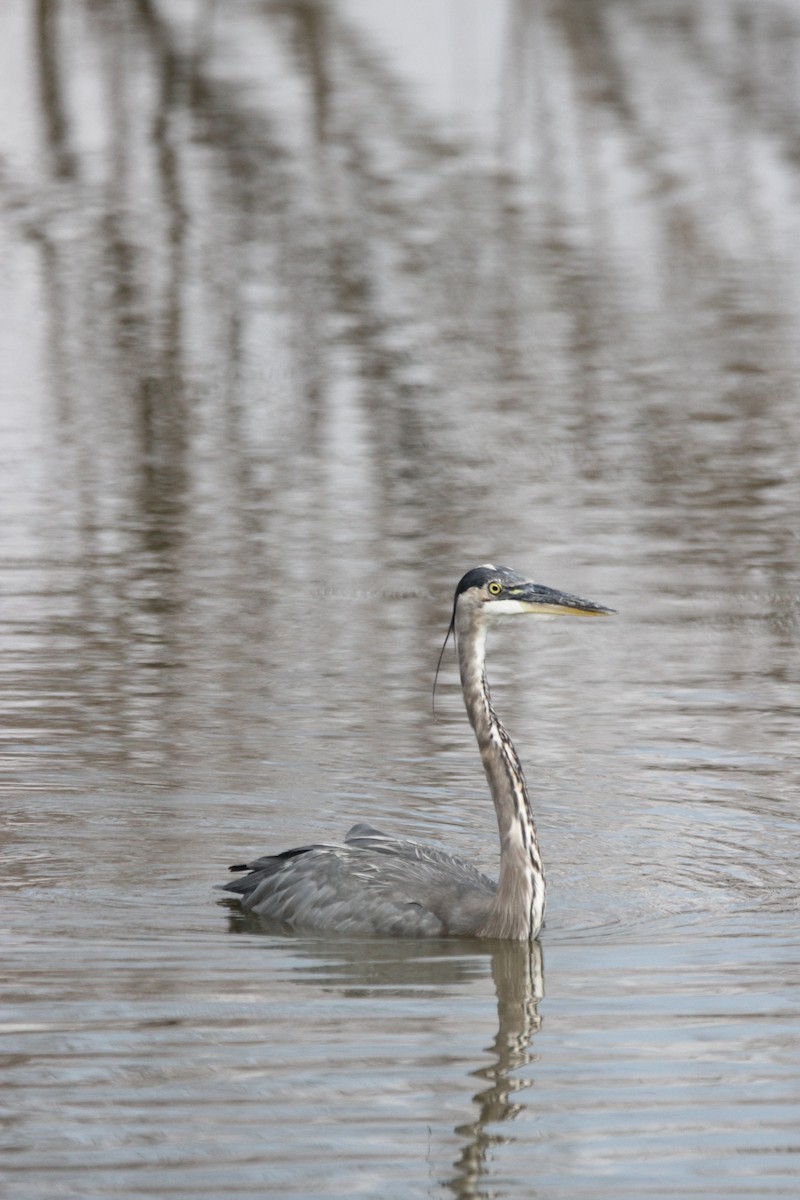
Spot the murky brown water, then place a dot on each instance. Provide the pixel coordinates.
(306, 309)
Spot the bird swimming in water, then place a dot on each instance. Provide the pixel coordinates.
(373, 883)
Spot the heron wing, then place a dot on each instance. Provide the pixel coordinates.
(372, 883)
(408, 850)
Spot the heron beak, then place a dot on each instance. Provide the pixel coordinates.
(543, 601)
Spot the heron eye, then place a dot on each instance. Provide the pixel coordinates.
(495, 588)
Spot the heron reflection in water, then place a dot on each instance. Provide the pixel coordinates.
(373, 883)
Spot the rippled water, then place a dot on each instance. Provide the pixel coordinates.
(308, 308)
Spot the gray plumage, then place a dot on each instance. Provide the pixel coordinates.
(371, 884)
(376, 884)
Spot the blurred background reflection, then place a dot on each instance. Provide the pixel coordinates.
(292, 324)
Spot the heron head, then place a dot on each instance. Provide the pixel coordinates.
(491, 591)
(499, 592)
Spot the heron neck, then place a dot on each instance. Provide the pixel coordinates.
(518, 907)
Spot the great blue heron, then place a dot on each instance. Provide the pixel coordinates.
(376, 884)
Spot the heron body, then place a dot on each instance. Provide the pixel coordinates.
(375, 884)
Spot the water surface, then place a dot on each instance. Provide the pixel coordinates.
(307, 309)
